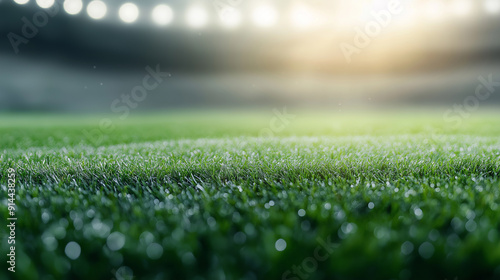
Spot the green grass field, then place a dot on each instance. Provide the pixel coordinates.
(199, 195)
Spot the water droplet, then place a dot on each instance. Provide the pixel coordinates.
(124, 273)
(239, 237)
(407, 248)
(280, 244)
(115, 241)
(426, 250)
(72, 250)
(154, 251)
(471, 225)
(301, 212)
(418, 212)
(50, 242)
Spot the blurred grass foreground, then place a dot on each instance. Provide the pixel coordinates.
(250, 195)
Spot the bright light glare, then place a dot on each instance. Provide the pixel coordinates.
(45, 3)
(162, 14)
(97, 9)
(461, 7)
(230, 17)
(409, 15)
(73, 7)
(492, 6)
(264, 16)
(21, 2)
(434, 9)
(302, 17)
(197, 17)
(128, 12)
(351, 13)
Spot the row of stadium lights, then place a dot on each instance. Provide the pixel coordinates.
(262, 16)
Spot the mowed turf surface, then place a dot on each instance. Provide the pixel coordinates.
(201, 196)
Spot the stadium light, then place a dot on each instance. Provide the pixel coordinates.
(434, 9)
(492, 6)
(73, 7)
(230, 17)
(97, 9)
(350, 13)
(21, 2)
(264, 16)
(302, 17)
(197, 17)
(409, 16)
(45, 4)
(461, 7)
(162, 14)
(128, 12)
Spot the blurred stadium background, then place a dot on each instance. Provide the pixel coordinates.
(244, 53)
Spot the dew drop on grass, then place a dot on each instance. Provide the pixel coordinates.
(45, 217)
(419, 213)
(301, 212)
(426, 250)
(72, 250)
(471, 225)
(407, 248)
(115, 241)
(239, 237)
(250, 229)
(146, 238)
(50, 242)
(348, 228)
(90, 213)
(211, 222)
(154, 251)
(124, 273)
(280, 245)
(434, 235)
